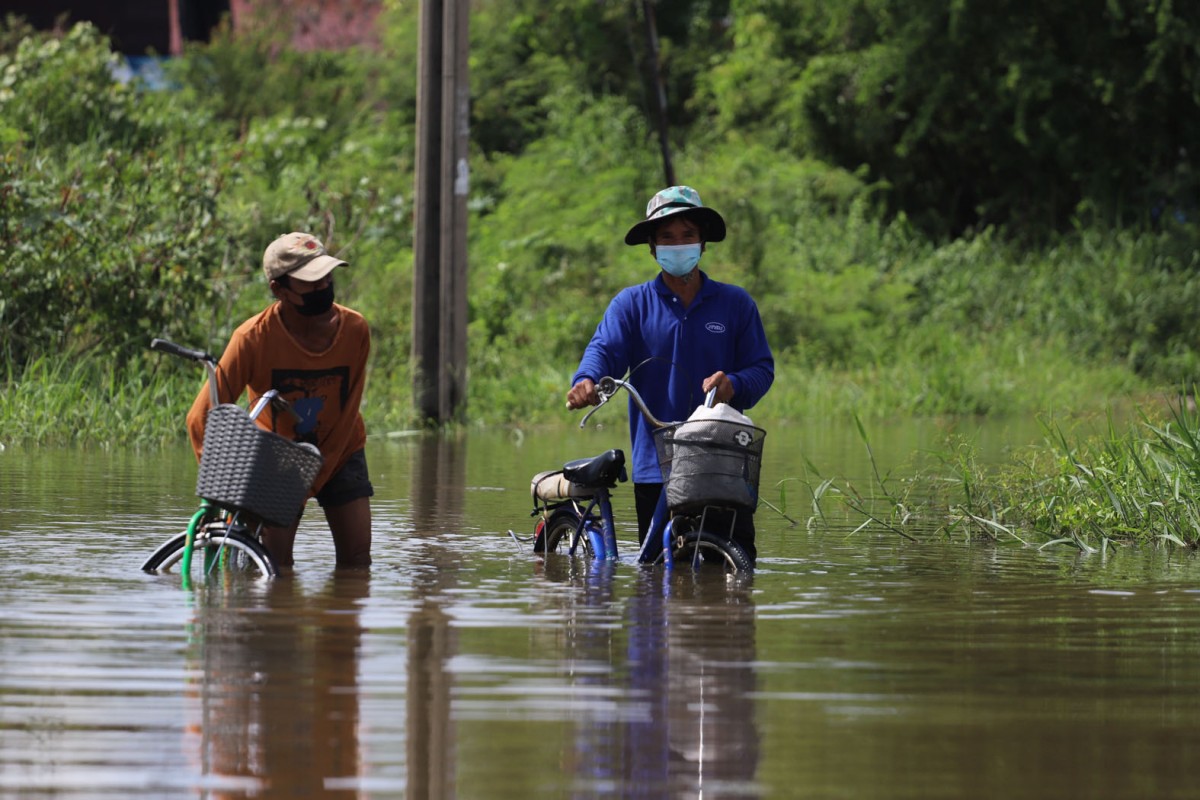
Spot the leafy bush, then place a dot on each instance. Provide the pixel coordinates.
(111, 216)
(126, 213)
(57, 92)
(976, 113)
(545, 243)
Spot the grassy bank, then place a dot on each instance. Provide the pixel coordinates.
(1137, 483)
(92, 403)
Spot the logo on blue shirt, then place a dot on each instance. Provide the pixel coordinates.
(714, 327)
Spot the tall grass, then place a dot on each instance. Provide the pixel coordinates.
(92, 403)
(1139, 485)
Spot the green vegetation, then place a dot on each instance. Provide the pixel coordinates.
(962, 209)
(1139, 486)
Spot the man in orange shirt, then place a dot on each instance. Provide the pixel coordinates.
(314, 352)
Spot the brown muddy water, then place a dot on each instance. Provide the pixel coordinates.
(848, 666)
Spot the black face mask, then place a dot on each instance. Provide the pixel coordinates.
(316, 302)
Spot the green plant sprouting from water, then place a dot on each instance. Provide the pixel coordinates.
(1141, 486)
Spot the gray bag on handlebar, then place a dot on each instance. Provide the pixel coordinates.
(710, 462)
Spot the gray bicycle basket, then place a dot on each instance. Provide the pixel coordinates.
(247, 468)
(710, 462)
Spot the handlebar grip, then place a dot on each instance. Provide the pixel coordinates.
(166, 346)
(280, 403)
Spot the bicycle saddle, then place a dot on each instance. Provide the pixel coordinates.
(602, 470)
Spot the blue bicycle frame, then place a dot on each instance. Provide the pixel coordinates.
(603, 537)
(580, 491)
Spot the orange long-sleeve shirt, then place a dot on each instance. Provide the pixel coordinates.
(325, 389)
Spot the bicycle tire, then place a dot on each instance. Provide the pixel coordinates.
(696, 548)
(242, 554)
(559, 530)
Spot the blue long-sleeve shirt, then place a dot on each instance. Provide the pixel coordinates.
(721, 330)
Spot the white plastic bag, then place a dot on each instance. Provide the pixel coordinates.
(721, 411)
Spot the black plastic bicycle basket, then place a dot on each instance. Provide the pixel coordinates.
(247, 468)
(710, 462)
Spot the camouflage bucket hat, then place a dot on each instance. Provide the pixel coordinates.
(677, 200)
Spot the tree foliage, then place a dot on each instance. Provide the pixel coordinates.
(972, 113)
(905, 184)
(109, 218)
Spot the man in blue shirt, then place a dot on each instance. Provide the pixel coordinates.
(678, 335)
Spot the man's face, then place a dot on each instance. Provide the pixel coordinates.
(295, 287)
(675, 231)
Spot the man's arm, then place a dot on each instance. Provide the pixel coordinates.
(606, 354)
(755, 370)
(234, 375)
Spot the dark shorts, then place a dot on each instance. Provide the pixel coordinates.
(348, 483)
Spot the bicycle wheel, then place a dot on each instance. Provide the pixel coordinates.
(560, 529)
(236, 550)
(167, 553)
(695, 548)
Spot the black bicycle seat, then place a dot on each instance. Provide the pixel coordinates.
(602, 470)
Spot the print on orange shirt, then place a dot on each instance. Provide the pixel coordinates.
(311, 392)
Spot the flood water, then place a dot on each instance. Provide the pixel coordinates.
(848, 666)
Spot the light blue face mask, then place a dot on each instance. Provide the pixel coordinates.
(678, 259)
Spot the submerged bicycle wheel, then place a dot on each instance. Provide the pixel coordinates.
(559, 531)
(219, 550)
(698, 548)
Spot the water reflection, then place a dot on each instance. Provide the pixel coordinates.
(439, 464)
(275, 701)
(430, 736)
(274, 708)
(681, 717)
(711, 645)
(439, 469)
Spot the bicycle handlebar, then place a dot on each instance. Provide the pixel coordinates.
(210, 362)
(207, 359)
(277, 402)
(181, 351)
(607, 386)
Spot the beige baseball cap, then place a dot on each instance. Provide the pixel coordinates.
(300, 255)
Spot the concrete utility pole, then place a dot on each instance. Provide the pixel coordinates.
(439, 321)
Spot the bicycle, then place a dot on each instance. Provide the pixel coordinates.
(248, 478)
(703, 473)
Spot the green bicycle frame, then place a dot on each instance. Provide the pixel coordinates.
(189, 543)
(210, 558)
